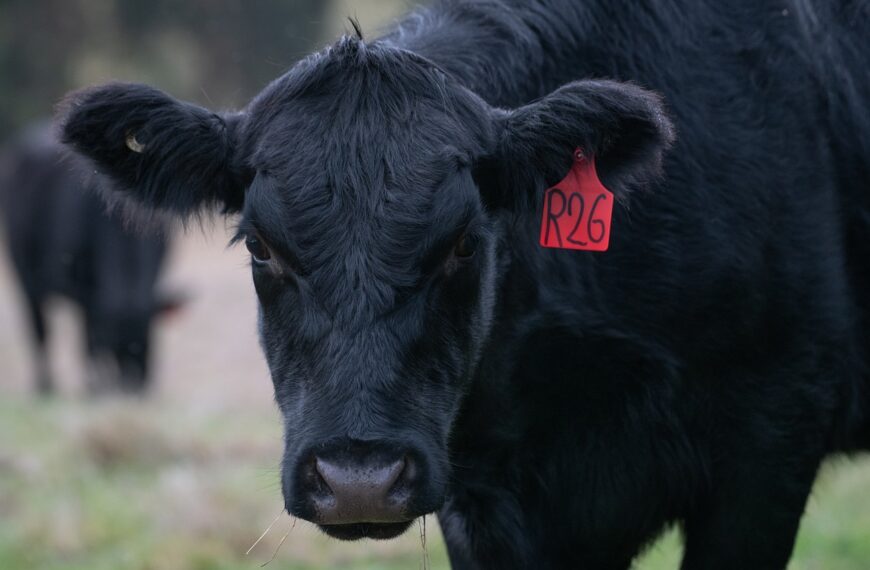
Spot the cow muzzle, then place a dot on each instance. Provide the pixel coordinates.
(360, 489)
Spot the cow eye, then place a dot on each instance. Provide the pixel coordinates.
(466, 245)
(258, 249)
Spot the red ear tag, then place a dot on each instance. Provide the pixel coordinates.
(578, 210)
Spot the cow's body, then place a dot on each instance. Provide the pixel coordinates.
(700, 369)
(696, 373)
(63, 242)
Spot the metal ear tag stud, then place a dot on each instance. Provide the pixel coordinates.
(133, 144)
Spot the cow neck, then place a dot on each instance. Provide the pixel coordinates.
(535, 47)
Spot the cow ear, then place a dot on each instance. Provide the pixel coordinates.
(161, 153)
(622, 126)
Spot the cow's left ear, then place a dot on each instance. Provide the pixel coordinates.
(624, 127)
(161, 153)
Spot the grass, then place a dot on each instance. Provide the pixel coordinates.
(154, 485)
(147, 485)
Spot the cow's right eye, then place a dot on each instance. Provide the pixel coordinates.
(258, 249)
(466, 246)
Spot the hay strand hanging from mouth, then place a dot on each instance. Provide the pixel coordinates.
(265, 532)
(280, 544)
(425, 562)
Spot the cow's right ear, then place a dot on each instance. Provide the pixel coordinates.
(163, 154)
(622, 126)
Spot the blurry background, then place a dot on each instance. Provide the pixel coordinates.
(187, 477)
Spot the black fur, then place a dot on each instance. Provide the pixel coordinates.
(187, 157)
(561, 407)
(63, 242)
(623, 126)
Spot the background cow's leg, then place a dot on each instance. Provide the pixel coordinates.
(98, 372)
(132, 380)
(42, 371)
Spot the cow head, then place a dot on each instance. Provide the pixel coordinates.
(370, 186)
(123, 302)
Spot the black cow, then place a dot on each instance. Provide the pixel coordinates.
(63, 242)
(557, 408)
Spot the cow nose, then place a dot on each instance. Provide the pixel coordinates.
(370, 490)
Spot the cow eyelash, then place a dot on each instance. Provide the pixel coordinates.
(283, 263)
(261, 253)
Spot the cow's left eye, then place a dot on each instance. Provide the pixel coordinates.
(258, 249)
(466, 245)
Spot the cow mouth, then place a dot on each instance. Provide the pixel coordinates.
(356, 531)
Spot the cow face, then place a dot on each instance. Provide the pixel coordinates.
(370, 187)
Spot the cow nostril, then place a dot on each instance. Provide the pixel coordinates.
(314, 478)
(405, 477)
(410, 472)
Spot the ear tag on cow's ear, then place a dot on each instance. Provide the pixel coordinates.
(578, 210)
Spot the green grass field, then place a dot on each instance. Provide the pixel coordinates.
(155, 485)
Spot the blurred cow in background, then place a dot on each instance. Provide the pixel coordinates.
(63, 242)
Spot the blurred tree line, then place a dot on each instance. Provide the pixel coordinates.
(215, 52)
